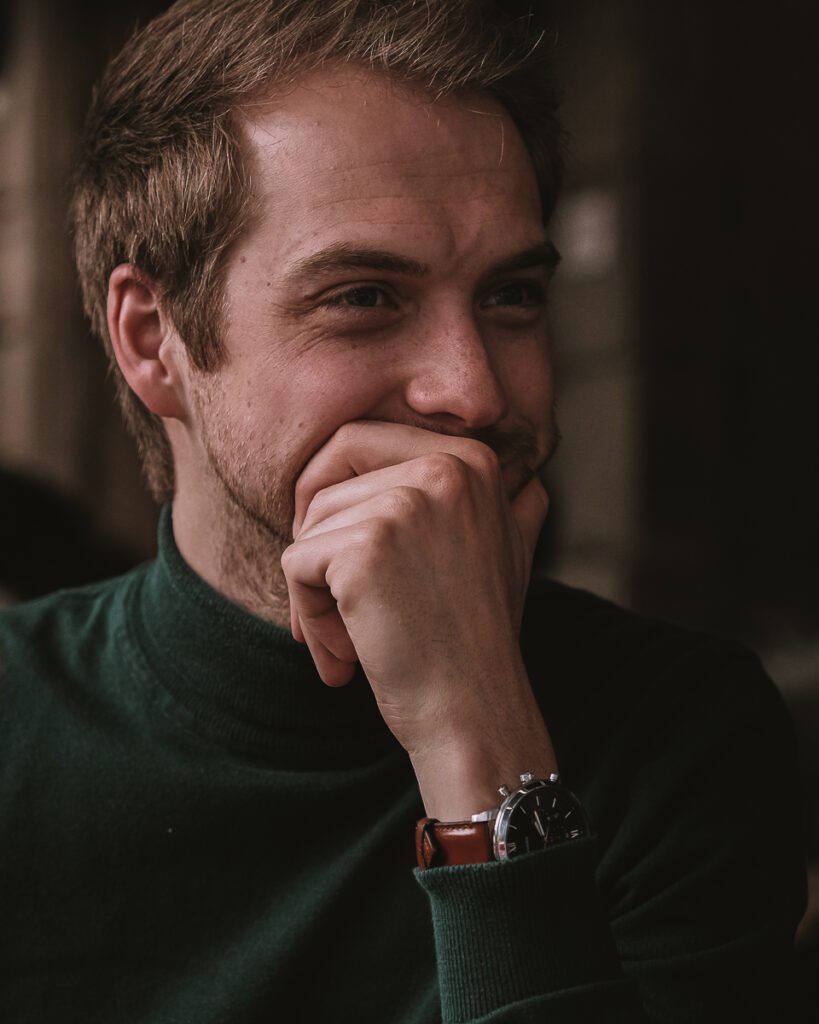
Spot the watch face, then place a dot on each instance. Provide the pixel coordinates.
(537, 816)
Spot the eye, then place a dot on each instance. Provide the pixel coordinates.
(521, 294)
(361, 297)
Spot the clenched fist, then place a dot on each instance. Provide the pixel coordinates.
(410, 557)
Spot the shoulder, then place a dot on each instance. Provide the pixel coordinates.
(75, 606)
(578, 624)
(585, 646)
(624, 693)
(678, 744)
(64, 634)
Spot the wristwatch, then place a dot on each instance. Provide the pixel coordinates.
(541, 813)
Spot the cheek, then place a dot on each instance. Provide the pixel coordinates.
(341, 389)
(530, 386)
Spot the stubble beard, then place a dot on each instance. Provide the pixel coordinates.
(255, 496)
(256, 534)
(257, 491)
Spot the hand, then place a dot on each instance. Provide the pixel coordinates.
(410, 557)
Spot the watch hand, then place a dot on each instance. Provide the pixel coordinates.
(538, 824)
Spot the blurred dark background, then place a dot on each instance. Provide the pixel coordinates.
(684, 315)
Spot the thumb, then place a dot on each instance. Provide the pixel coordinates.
(529, 508)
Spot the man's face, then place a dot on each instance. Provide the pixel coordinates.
(396, 271)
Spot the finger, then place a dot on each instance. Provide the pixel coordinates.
(319, 618)
(529, 509)
(399, 492)
(315, 618)
(329, 501)
(295, 625)
(332, 670)
(365, 446)
(322, 629)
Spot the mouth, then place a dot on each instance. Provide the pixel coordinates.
(517, 475)
(522, 458)
(522, 449)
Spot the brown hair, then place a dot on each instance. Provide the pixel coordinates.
(162, 184)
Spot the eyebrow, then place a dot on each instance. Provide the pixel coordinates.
(544, 254)
(344, 256)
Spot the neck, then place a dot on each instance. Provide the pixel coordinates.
(234, 553)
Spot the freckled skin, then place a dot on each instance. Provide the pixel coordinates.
(385, 167)
(432, 363)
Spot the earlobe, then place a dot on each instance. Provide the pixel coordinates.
(142, 340)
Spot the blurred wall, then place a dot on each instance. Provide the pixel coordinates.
(684, 315)
(686, 334)
(58, 420)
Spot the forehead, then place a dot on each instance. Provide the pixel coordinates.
(346, 152)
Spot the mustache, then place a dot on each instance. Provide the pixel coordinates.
(516, 447)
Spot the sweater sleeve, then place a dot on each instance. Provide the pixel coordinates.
(526, 940)
(685, 908)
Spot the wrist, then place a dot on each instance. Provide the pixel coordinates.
(538, 813)
(457, 782)
(494, 731)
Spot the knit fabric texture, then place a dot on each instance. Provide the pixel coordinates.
(196, 829)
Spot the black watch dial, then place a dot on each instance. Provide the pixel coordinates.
(541, 814)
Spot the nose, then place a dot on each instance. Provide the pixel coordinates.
(452, 379)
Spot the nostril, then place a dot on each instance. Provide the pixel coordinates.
(461, 396)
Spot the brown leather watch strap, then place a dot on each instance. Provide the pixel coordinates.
(441, 844)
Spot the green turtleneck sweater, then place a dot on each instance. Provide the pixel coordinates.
(196, 830)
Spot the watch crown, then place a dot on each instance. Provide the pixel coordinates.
(526, 777)
(554, 777)
(503, 791)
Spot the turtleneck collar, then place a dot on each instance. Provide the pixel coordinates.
(243, 682)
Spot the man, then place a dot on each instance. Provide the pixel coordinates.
(313, 236)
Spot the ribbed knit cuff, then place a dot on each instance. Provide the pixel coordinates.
(508, 931)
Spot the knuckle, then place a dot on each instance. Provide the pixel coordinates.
(346, 433)
(317, 507)
(486, 461)
(403, 503)
(443, 470)
(382, 533)
(375, 538)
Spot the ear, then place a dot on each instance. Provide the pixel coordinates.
(144, 341)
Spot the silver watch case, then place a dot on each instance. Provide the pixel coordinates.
(505, 846)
